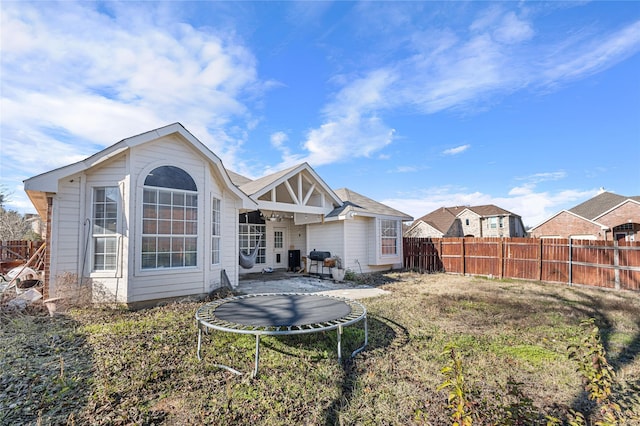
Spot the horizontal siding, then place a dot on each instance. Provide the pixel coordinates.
(110, 172)
(298, 238)
(65, 235)
(356, 238)
(229, 245)
(150, 285)
(326, 237)
(177, 282)
(111, 286)
(69, 226)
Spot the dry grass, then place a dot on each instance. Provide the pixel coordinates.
(110, 366)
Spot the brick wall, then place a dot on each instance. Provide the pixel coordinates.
(627, 213)
(565, 224)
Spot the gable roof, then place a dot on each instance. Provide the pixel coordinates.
(261, 186)
(601, 203)
(594, 207)
(39, 185)
(442, 219)
(361, 205)
(490, 210)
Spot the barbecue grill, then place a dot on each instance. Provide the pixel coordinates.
(318, 259)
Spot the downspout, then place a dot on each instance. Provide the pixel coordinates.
(86, 249)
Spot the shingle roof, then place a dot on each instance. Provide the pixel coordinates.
(594, 207)
(442, 218)
(490, 210)
(359, 203)
(253, 186)
(238, 179)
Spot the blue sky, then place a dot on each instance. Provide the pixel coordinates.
(532, 106)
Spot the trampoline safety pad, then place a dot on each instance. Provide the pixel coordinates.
(280, 314)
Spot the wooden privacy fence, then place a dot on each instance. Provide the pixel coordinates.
(17, 252)
(595, 263)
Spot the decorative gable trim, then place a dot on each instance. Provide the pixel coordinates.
(298, 189)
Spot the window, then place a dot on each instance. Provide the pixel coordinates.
(501, 221)
(248, 237)
(215, 231)
(105, 228)
(278, 239)
(467, 221)
(493, 222)
(169, 219)
(389, 237)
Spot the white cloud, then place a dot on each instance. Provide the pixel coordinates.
(405, 169)
(544, 176)
(77, 77)
(579, 58)
(456, 150)
(101, 78)
(351, 128)
(513, 30)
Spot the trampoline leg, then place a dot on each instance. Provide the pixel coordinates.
(339, 342)
(199, 342)
(366, 339)
(255, 369)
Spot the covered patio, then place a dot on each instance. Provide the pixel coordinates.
(289, 282)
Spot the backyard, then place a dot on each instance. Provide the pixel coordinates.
(512, 339)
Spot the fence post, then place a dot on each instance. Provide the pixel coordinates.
(616, 263)
(570, 266)
(501, 259)
(540, 260)
(464, 263)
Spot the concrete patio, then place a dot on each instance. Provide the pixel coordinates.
(290, 282)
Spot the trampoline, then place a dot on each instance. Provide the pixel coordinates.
(280, 314)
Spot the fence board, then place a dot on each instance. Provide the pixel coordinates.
(604, 264)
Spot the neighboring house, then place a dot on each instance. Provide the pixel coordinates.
(607, 216)
(158, 216)
(467, 221)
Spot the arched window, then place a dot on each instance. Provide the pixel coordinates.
(170, 177)
(169, 219)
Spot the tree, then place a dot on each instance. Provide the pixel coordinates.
(13, 225)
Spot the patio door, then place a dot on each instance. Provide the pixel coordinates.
(279, 244)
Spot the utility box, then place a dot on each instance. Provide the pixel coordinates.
(294, 260)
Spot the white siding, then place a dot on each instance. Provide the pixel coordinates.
(66, 234)
(298, 238)
(109, 286)
(328, 236)
(229, 244)
(358, 245)
(159, 284)
(378, 262)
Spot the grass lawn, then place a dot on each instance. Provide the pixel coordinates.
(115, 366)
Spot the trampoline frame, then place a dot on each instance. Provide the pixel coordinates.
(206, 320)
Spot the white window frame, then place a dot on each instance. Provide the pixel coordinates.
(387, 225)
(248, 234)
(103, 232)
(216, 231)
(170, 240)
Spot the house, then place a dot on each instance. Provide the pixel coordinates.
(466, 221)
(158, 216)
(607, 216)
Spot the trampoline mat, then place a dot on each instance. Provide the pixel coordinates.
(282, 310)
